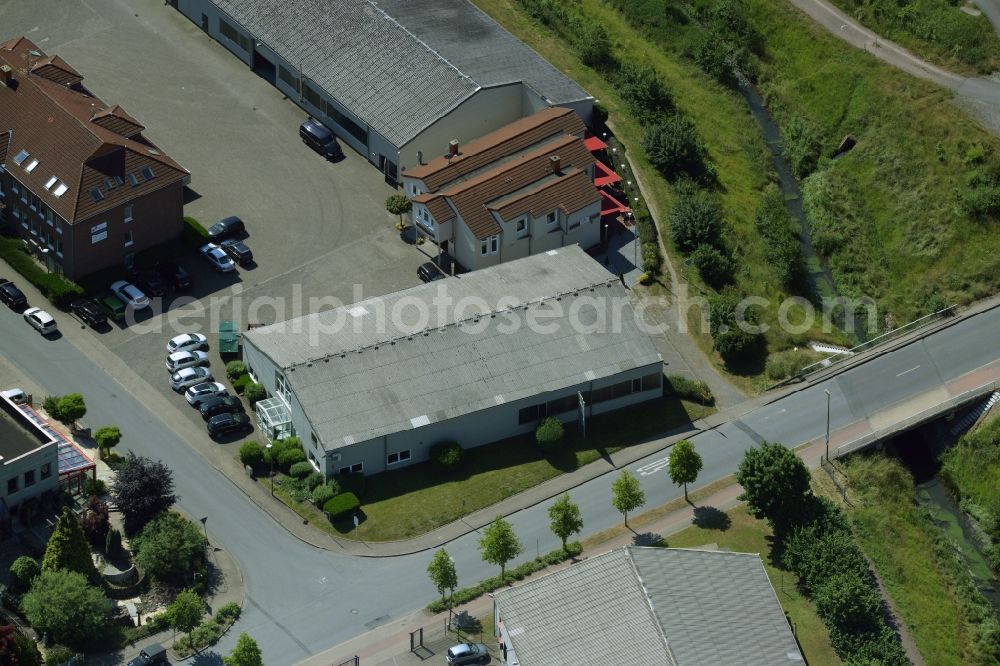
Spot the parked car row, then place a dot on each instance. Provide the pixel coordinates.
(225, 248)
(187, 361)
(15, 299)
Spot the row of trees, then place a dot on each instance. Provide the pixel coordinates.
(499, 544)
(70, 408)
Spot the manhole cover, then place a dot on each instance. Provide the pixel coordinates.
(354, 611)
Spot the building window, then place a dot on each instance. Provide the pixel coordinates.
(14, 187)
(29, 478)
(394, 458)
(490, 245)
(281, 387)
(289, 77)
(12, 485)
(49, 217)
(234, 35)
(313, 97)
(356, 468)
(653, 381)
(522, 227)
(46, 470)
(98, 232)
(354, 129)
(531, 414)
(128, 238)
(128, 213)
(59, 248)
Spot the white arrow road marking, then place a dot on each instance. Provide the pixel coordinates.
(653, 467)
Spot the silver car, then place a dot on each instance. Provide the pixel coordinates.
(467, 653)
(186, 359)
(189, 377)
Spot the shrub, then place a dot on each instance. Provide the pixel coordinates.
(549, 434)
(254, 393)
(193, 233)
(58, 655)
(57, 288)
(644, 92)
(340, 505)
(801, 144)
(113, 544)
(781, 241)
(447, 455)
(95, 521)
(350, 483)
(51, 405)
(70, 408)
(24, 570)
(323, 494)
(695, 219)
(241, 383)
(300, 470)
(235, 370)
(252, 453)
(652, 260)
(715, 268)
(674, 148)
(691, 390)
(290, 456)
(314, 480)
(229, 611)
(169, 548)
(94, 487)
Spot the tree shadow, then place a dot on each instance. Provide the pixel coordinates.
(649, 539)
(207, 657)
(711, 518)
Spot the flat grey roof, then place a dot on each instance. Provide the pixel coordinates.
(397, 77)
(573, 323)
(651, 606)
(15, 440)
(477, 45)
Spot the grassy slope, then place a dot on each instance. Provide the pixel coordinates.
(895, 192)
(973, 467)
(743, 533)
(962, 33)
(919, 583)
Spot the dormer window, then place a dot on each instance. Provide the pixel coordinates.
(20, 157)
(31, 166)
(50, 182)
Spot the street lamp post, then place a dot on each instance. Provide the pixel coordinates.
(271, 457)
(827, 424)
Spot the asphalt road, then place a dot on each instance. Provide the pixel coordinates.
(301, 600)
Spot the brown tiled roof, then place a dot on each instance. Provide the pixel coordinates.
(54, 123)
(440, 209)
(472, 197)
(570, 192)
(508, 140)
(119, 122)
(4, 142)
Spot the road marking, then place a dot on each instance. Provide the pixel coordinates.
(653, 467)
(907, 371)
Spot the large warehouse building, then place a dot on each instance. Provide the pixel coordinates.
(395, 79)
(472, 359)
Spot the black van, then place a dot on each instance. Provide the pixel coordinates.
(320, 139)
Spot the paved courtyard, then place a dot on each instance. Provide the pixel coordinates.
(318, 230)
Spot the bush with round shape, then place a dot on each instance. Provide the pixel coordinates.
(24, 570)
(241, 383)
(94, 487)
(323, 494)
(549, 434)
(447, 455)
(235, 370)
(252, 453)
(314, 480)
(254, 393)
(341, 505)
(300, 470)
(289, 457)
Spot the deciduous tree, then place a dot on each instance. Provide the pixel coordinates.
(499, 544)
(169, 548)
(142, 488)
(565, 518)
(107, 438)
(775, 483)
(398, 204)
(186, 611)
(627, 494)
(684, 464)
(246, 653)
(16, 649)
(442, 572)
(63, 605)
(70, 408)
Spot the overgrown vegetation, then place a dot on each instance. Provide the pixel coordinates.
(57, 288)
(927, 577)
(936, 29)
(971, 469)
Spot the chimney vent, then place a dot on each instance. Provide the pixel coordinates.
(453, 148)
(420, 157)
(556, 164)
(6, 74)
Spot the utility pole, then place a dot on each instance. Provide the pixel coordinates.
(827, 424)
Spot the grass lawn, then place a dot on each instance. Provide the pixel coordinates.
(738, 531)
(408, 502)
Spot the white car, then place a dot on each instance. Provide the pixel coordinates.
(41, 320)
(186, 359)
(218, 258)
(203, 391)
(187, 342)
(130, 294)
(182, 379)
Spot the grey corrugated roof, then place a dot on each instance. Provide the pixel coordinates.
(478, 46)
(365, 59)
(712, 607)
(472, 356)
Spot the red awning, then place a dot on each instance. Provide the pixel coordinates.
(611, 206)
(594, 144)
(603, 175)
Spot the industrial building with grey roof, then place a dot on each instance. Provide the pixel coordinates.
(395, 79)
(655, 606)
(472, 359)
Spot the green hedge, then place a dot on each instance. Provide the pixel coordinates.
(691, 390)
(252, 453)
(467, 594)
(58, 289)
(340, 505)
(549, 434)
(300, 470)
(235, 370)
(447, 455)
(241, 383)
(193, 233)
(254, 393)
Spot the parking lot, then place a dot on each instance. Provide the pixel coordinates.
(318, 230)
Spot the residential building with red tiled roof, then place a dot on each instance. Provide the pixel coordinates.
(523, 189)
(78, 180)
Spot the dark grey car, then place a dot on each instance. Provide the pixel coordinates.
(320, 139)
